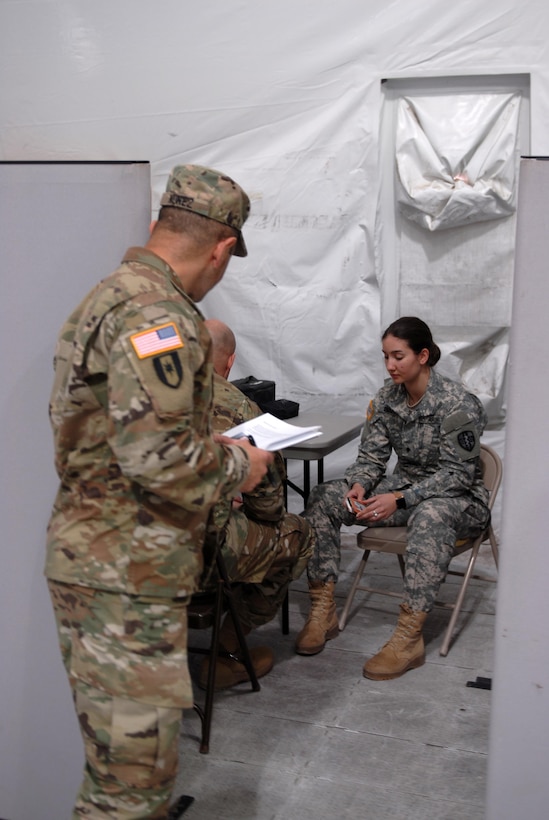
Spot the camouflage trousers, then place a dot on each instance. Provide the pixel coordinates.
(263, 559)
(434, 525)
(126, 658)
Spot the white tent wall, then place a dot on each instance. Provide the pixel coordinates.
(287, 98)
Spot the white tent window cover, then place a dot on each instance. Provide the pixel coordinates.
(457, 158)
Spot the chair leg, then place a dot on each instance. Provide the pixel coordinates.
(206, 714)
(459, 600)
(351, 595)
(494, 545)
(224, 593)
(245, 652)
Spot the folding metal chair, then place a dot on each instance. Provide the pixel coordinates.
(204, 611)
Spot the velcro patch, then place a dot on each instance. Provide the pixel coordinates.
(462, 432)
(156, 340)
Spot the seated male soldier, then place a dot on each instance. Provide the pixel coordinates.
(263, 546)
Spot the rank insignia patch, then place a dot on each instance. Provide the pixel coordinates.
(168, 369)
(156, 340)
(467, 440)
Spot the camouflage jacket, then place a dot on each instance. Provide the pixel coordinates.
(436, 443)
(130, 411)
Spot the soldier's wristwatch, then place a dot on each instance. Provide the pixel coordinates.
(400, 500)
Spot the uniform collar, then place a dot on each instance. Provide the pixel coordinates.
(147, 257)
(399, 402)
(152, 260)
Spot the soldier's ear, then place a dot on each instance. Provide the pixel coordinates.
(230, 362)
(153, 225)
(423, 356)
(221, 249)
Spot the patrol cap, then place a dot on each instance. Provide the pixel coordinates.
(209, 193)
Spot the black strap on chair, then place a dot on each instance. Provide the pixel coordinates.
(205, 610)
(180, 807)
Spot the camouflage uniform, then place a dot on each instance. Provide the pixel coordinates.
(130, 411)
(437, 470)
(264, 547)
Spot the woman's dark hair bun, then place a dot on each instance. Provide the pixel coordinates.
(417, 334)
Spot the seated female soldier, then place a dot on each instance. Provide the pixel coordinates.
(433, 425)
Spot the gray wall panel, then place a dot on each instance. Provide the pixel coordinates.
(63, 226)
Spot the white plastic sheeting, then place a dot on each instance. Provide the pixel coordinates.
(444, 255)
(457, 158)
(286, 97)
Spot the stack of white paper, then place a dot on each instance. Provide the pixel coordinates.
(270, 433)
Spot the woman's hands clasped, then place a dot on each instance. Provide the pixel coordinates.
(375, 508)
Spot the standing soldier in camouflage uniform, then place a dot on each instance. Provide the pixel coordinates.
(140, 471)
(263, 546)
(433, 425)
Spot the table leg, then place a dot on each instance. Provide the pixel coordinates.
(320, 470)
(306, 481)
(304, 491)
(286, 615)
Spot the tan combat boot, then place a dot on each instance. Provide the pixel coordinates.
(403, 651)
(231, 671)
(322, 624)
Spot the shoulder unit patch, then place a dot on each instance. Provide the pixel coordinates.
(168, 369)
(467, 440)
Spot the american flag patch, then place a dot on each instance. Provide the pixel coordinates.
(157, 340)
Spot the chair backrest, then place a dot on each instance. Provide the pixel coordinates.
(492, 470)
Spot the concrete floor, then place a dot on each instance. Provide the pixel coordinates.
(320, 741)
